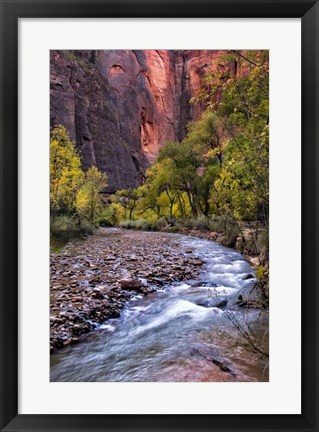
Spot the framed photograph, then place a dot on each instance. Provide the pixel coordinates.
(159, 215)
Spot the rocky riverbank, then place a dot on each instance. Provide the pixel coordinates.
(92, 279)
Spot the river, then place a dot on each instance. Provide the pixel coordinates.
(182, 332)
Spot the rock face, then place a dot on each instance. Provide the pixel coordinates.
(121, 106)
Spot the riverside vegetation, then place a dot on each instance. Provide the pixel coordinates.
(214, 184)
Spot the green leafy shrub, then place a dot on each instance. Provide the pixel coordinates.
(65, 228)
(201, 223)
(172, 229)
(126, 224)
(139, 224)
(159, 224)
(86, 227)
(188, 223)
(142, 225)
(231, 235)
(218, 224)
(251, 247)
(107, 217)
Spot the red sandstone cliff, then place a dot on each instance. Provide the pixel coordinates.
(121, 106)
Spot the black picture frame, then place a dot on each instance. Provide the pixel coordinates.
(11, 11)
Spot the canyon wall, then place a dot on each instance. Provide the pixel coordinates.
(121, 106)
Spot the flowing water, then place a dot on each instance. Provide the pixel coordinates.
(179, 333)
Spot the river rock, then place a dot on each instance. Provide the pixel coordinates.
(130, 283)
(207, 284)
(248, 276)
(67, 341)
(96, 294)
(212, 302)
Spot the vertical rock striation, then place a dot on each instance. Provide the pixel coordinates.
(121, 106)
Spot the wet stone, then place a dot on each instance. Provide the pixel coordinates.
(249, 276)
(130, 283)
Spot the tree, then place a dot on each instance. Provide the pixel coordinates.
(66, 175)
(127, 198)
(206, 136)
(88, 200)
(241, 106)
(160, 188)
(184, 162)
